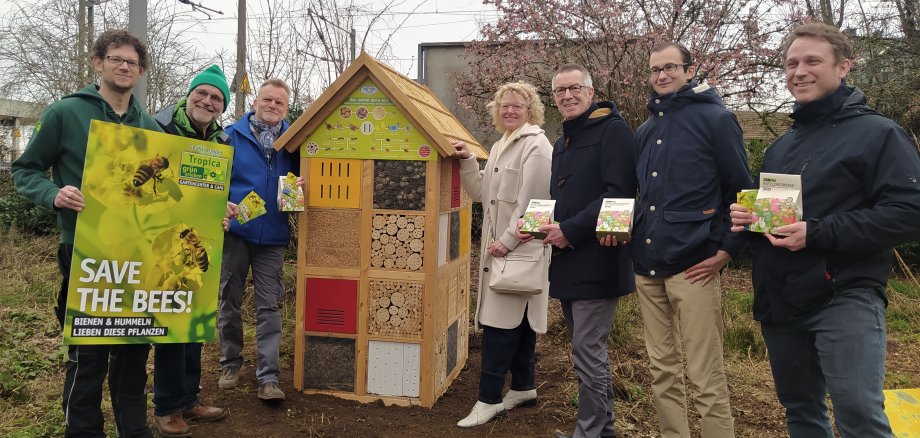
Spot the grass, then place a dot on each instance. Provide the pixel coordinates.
(32, 355)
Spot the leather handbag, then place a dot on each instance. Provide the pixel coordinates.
(522, 271)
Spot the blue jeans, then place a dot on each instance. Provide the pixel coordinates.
(176, 377)
(838, 349)
(506, 350)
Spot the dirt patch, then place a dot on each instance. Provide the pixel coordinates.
(756, 412)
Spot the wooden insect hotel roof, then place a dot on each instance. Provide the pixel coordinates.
(416, 101)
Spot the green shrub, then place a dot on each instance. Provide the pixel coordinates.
(755, 151)
(17, 211)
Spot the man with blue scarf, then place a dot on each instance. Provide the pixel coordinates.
(259, 243)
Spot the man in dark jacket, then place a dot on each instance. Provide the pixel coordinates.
(820, 290)
(592, 160)
(691, 164)
(59, 143)
(259, 243)
(177, 367)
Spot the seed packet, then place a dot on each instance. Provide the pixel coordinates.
(539, 213)
(251, 207)
(615, 218)
(778, 202)
(290, 195)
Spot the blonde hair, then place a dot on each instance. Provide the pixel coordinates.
(525, 90)
(277, 83)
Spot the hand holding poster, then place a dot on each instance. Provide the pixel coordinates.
(148, 244)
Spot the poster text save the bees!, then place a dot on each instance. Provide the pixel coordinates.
(148, 245)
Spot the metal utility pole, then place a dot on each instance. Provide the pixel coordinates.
(240, 75)
(137, 25)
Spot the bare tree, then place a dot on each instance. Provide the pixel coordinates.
(40, 62)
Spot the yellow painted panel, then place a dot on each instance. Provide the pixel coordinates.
(903, 409)
(334, 183)
(465, 223)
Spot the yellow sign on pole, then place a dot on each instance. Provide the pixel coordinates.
(245, 87)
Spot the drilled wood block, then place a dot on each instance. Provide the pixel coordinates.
(440, 360)
(463, 335)
(393, 368)
(332, 238)
(329, 363)
(395, 309)
(463, 298)
(399, 185)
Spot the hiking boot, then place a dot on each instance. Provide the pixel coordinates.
(172, 426)
(271, 391)
(230, 378)
(204, 413)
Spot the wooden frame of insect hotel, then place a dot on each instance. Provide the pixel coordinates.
(383, 257)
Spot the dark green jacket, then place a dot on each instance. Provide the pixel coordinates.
(59, 143)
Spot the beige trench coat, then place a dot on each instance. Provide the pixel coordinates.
(516, 172)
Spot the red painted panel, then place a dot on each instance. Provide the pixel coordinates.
(454, 183)
(332, 305)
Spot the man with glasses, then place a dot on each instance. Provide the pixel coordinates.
(592, 160)
(819, 287)
(691, 164)
(59, 143)
(258, 244)
(177, 367)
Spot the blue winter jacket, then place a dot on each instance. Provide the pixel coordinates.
(691, 164)
(251, 171)
(592, 160)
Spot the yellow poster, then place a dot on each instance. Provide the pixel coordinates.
(148, 244)
(368, 125)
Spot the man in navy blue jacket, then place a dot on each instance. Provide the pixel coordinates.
(259, 243)
(691, 164)
(819, 292)
(592, 160)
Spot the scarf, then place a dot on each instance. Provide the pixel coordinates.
(266, 134)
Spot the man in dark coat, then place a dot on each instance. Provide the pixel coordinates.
(177, 367)
(592, 160)
(819, 292)
(691, 164)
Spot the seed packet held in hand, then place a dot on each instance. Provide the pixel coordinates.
(778, 202)
(539, 213)
(290, 195)
(251, 207)
(615, 218)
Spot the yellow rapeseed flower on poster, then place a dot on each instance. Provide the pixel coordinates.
(148, 244)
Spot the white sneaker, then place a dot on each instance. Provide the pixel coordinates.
(516, 398)
(481, 414)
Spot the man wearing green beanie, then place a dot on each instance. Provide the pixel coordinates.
(177, 367)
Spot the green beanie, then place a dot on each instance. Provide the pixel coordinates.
(213, 76)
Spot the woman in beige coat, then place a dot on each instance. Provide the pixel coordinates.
(517, 170)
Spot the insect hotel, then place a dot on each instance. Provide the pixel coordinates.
(384, 244)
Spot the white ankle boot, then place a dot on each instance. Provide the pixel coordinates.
(516, 398)
(481, 413)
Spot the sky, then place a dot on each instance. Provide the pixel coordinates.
(410, 23)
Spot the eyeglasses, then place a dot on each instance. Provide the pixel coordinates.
(574, 89)
(118, 60)
(667, 69)
(514, 107)
(202, 95)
